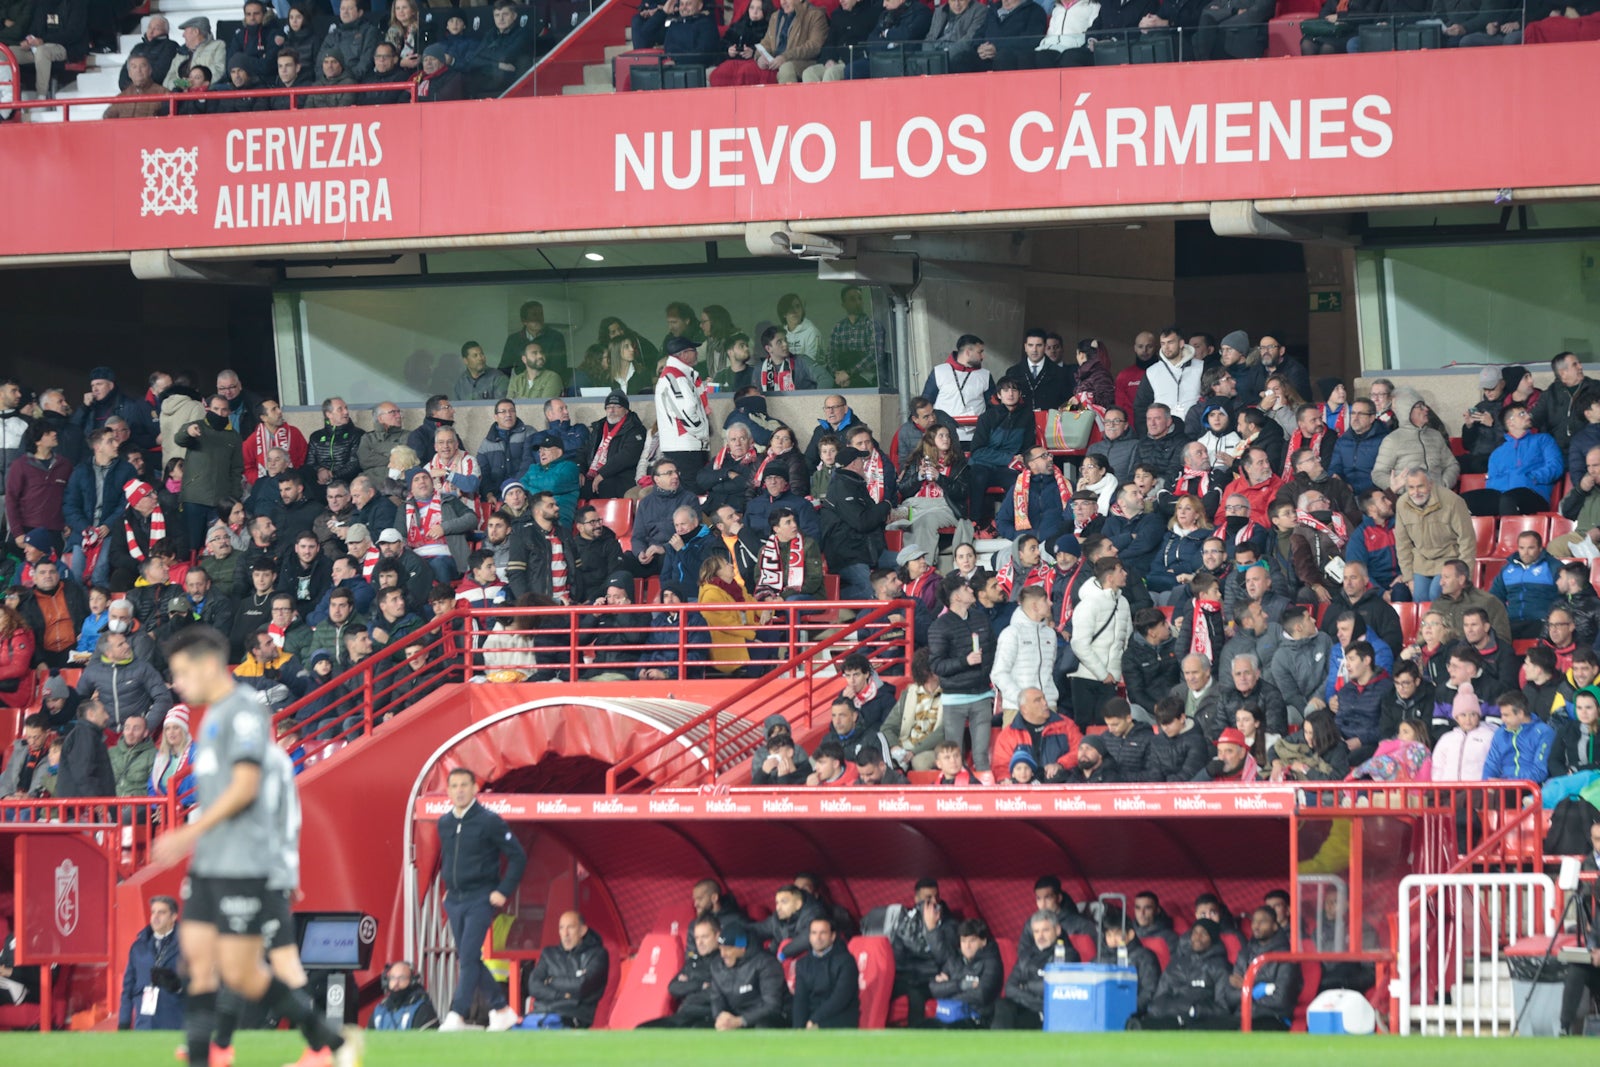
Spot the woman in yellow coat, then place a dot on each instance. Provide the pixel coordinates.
(730, 630)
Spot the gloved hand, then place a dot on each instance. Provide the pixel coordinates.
(1261, 990)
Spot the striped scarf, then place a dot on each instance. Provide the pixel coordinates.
(266, 439)
(1297, 441)
(782, 570)
(603, 449)
(874, 476)
(1200, 643)
(136, 491)
(779, 379)
(1024, 486)
(1338, 532)
(420, 518)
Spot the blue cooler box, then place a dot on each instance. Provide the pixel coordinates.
(1088, 997)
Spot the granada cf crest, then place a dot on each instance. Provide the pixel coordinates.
(68, 898)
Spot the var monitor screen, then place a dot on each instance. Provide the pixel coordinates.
(332, 943)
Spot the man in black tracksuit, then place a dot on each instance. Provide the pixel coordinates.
(748, 990)
(1277, 986)
(570, 978)
(691, 988)
(1179, 750)
(472, 840)
(827, 984)
(974, 975)
(1187, 997)
(922, 938)
(1023, 1006)
(1120, 947)
(790, 921)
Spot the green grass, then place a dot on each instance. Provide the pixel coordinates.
(789, 1049)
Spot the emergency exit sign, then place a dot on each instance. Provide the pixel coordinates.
(1327, 300)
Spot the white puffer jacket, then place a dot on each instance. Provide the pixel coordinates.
(1025, 658)
(1101, 627)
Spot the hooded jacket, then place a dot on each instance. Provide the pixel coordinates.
(1058, 743)
(1179, 554)
(1461, 755)
(1408, 446)
(1532, 461)
(852, 525)
(571, 983)
(795, 929)
(335, 449)
(681, 419)
(213, 467)
(1190, 985)
(409, 1009)
(754, 989)
(802, 762)
(1522, 754)
(919, 951)
(1299, 670)
(85, 769)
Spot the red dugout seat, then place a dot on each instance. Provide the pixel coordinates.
(1087, 949)
(1410, 619)
(1310, 979)
(643, 995)
(1232, 943)
(1158, 947)
(875, 963)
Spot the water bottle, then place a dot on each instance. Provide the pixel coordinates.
(1122, 955)
(1061, 953)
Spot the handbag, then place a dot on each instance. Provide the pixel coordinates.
(1066, 658)
(1067, 431)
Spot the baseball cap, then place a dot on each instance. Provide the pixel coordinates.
(357, 532)
(1231, 736)
(391, 536)
(1488, 378)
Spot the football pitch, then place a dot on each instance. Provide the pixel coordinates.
(801, 1049)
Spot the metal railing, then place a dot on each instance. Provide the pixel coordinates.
(125, 828)
(173, 100)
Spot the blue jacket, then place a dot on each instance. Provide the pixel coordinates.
(142, 959)
(693, 39)
(411, 1009)
(1045, 511)
(560, 478)
(1355, 455)
(1382, 659)
(681, 566)
(1360, 711)
(504, 455)
(664, 643)
(1179, 554)
(78, 504)
(359, 588)
(1520, 755)
(1529, 462)
(1373, 546)
(574, 440)
(89, 633)
(1527, 591)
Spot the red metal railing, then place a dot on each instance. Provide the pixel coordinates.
(557, 644)
(125, 828)
(728, 733)
(1382, 962)
(172, 100)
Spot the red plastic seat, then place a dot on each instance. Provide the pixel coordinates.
(1087, 949)
(1560, 524)
(894, 540)
(922, 777)
(1008, 953)
(1232, 943)
(1488, 570)
(1521, 647)
(1159, 948)
(1513, 527)
(617, 516)
(1410, 619)
(875, 964)
(643, 993)
(1469, 482)
(1483, 526)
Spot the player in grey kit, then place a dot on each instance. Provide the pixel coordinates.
(246, 858)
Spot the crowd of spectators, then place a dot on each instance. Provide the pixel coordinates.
(786, 41)
(454, 54)
(1180, 607)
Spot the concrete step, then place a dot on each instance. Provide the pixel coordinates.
(587, 90)
(100, 82)
(597, 74)
(616, 50)
(1472, 997)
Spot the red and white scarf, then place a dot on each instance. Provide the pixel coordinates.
(782, 569)
(874, 476)
(1038, 574)
(1195, 482)
(700, 389)
(603, 449)
(761, 468)
(930, 485)
(420, 518)
(1339, 420)
(1338, 532)
(1297, 441)
(1200, 643)
(463, 464)
(278, 635)
(1024, 485)
(558, 569)
(370, 561)
(868, 691)
(136, 491)
(1070, 578)
(265, 439)
(722, 456)
(779, 379)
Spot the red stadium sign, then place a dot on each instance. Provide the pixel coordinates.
(891, 803)
(63, 899)
(1277, 128)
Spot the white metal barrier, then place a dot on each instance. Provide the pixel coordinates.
(1450, 978)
